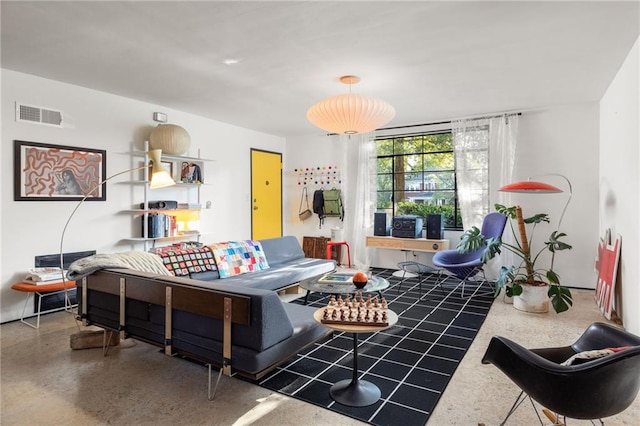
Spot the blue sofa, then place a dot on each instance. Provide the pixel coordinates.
(287, 266)
(238, 323)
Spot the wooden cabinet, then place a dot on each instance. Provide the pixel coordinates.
(315, 247)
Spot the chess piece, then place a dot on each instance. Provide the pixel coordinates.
(332, 300)
(334, 314)
(384, 316)
(375, 302)
(325, 315)
(384, 303)
(339, 300)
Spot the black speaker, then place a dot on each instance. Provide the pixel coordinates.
(435, 227)
(381, 224)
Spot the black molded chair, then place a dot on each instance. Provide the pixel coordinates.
(465, 266)
(594, 389)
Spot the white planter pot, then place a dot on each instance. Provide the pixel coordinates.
(533, 299)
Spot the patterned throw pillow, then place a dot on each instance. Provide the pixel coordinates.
(186, 261)
(585, 356)
(238, 257)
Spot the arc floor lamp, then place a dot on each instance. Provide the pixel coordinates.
(159, 178)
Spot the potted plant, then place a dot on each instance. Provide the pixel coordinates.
(528, 275)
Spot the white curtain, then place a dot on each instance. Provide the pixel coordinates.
(471, 148)
(485, 149)
(362, 197)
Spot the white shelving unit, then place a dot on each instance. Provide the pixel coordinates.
(145, 210)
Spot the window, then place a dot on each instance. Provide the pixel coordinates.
(416, 175)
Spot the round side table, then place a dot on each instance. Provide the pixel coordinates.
(355, 392)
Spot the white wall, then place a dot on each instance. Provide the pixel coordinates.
(619, 178)
(563, 140)
(99, 120)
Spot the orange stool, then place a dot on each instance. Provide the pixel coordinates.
(330, 245)
(43, 290)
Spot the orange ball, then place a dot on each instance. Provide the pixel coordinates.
(360, 277)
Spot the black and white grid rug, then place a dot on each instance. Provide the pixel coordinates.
(411, 362)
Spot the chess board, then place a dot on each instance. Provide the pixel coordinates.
(356, 311)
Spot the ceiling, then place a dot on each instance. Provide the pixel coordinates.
(431, 60)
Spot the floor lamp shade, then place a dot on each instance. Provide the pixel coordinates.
(530, 186)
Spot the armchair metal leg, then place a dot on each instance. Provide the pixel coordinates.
(482, 282)
(519, 400)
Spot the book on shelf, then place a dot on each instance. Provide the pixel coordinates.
(337, 278)
(44, 275)
(160, 225)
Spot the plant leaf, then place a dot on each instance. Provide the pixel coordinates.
(554, 244)
(540, 217)
(553, 277)
(561, 298)
(471, 240)
(510, 212)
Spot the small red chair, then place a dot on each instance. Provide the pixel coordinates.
(330, 245)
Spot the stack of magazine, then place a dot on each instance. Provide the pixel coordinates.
(337, 278)
(39, 276)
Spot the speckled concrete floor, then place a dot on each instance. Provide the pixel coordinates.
(44, 382)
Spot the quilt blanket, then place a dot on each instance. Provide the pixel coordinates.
(238, 257)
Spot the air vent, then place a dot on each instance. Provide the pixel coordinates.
(38, 115)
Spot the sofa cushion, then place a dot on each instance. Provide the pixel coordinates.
(185, 262)
(238, 257)
(281, 250)
(284, 275)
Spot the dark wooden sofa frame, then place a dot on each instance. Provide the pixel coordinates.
(171, 295)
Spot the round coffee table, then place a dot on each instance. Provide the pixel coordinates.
(355, 392)
(375, 285)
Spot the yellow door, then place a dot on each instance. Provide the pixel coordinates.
(266, 194)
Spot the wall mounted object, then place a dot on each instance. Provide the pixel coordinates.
(46, 172)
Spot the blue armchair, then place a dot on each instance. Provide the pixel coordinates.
(465, 266)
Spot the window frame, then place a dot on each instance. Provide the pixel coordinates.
(393, 191)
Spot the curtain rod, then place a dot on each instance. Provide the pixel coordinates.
(448, 121)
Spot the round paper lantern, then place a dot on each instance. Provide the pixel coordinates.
(171, 139)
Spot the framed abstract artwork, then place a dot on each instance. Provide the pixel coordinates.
(45, 172)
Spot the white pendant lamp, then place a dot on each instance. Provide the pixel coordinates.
(170, 138)
(350, 113)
